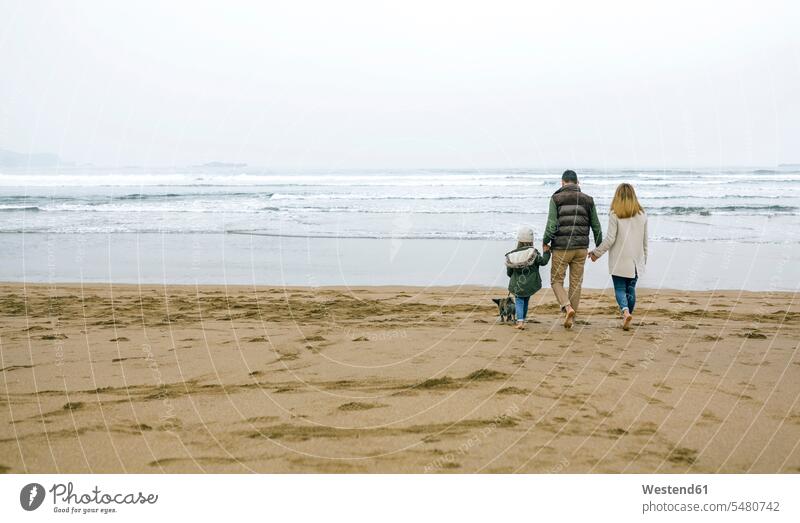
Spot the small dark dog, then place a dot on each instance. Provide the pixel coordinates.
(508, 311)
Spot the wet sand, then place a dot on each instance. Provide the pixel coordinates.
(393, 379)
(238, 259)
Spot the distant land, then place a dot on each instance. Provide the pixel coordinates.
(17, 159)
(14, 159)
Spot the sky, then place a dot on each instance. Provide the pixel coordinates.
(407, 84)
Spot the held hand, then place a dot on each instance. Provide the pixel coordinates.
(545, 247)
(592, 256)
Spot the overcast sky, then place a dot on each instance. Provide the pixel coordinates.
(338, 84)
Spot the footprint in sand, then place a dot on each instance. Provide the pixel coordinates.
(754, 334)
(444, 382)
(282, 390)
(54, 337)
(486, 375)
(682, 456)
(119, 360)
(517, 361)
(357, 405)
(195, 460)
(662, 387)
(513, 390)
(647, 428)
(15, 367)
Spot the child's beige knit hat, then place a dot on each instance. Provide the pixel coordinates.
(525, 234)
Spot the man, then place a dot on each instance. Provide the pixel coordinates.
(571, 215)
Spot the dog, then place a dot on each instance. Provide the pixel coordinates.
(508, 311)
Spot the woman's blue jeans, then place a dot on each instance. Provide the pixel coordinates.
(522, 307)
(625, 292)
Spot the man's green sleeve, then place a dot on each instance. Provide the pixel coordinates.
(550, 228)
(596, 228)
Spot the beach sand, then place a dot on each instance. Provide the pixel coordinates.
(393, 379)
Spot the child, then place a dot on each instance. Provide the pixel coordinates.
(522, 266)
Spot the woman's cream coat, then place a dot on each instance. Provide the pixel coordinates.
(626, 243)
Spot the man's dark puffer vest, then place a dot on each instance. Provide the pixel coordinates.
(574, 218)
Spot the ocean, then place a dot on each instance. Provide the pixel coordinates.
(357, 227)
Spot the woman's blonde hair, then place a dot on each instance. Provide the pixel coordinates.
(625, 203)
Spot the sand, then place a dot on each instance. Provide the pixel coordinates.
(241, 379)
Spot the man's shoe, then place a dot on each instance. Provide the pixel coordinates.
(569, 318)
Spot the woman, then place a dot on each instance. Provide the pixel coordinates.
(626, 243)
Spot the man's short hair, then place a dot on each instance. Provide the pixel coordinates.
(569, 176)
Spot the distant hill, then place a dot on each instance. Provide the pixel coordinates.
(14, 159)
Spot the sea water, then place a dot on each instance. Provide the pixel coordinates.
(356, 227)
